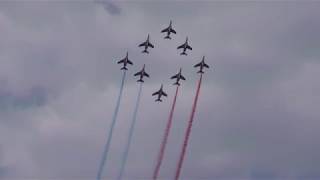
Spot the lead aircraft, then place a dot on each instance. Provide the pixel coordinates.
(169, 30)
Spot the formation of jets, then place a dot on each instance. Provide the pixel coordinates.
(185, 46)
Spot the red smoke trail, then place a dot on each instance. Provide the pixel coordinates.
(188, 131)
(165, 137)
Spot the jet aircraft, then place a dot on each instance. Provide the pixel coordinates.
(146, 45)
(141, 73)
(178, 77)
(169, 30)
(160, 93)
(202, 64)
(125, 61)
(185, 46)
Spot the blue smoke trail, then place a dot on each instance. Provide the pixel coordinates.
(130, 135)
(114, 118)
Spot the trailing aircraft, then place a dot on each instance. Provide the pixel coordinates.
(185, 46)
(141, 73)
(125, 61)
(178, 77)
(146, 45)
(160, 93)
(202, 64)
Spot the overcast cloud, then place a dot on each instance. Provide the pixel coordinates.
(258, 113)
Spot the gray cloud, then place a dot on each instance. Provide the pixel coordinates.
(110, 7)
(36, 97)
(3, 169)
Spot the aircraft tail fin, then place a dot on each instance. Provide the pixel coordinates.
(183, 53)
(158, 100)
(145, 51)
(201, 72)
(167, 37)
(124, 68)
(177, 83)
(140, 80)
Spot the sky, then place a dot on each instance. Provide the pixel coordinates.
(258, 111)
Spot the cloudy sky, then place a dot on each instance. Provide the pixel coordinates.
(258, 114)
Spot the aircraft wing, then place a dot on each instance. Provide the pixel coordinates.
(138, 73)
(206, 65)
(163, 93)
(143, 44)
(189, 47)
(179, 47)
(130, 62)
(175, 76)
(150, 45)
(121, 61)
(173, 31)
(146, 74)
(197, 65)
(182, 77)
(165, 30)
(156, 93)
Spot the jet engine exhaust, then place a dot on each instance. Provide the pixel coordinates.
(188, 131)
(114, 118)
(165, 137)
(130, 135)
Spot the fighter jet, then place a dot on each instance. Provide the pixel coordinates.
(178, 77)
(125, 61)
(160, 93)
(146, 44)
(141, 73)
(169, 30)
(185, 46)
(202, 64)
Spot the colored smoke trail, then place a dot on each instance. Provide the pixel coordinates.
(130, 136)
(114, 118)
(188, 131)
(165, 137)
